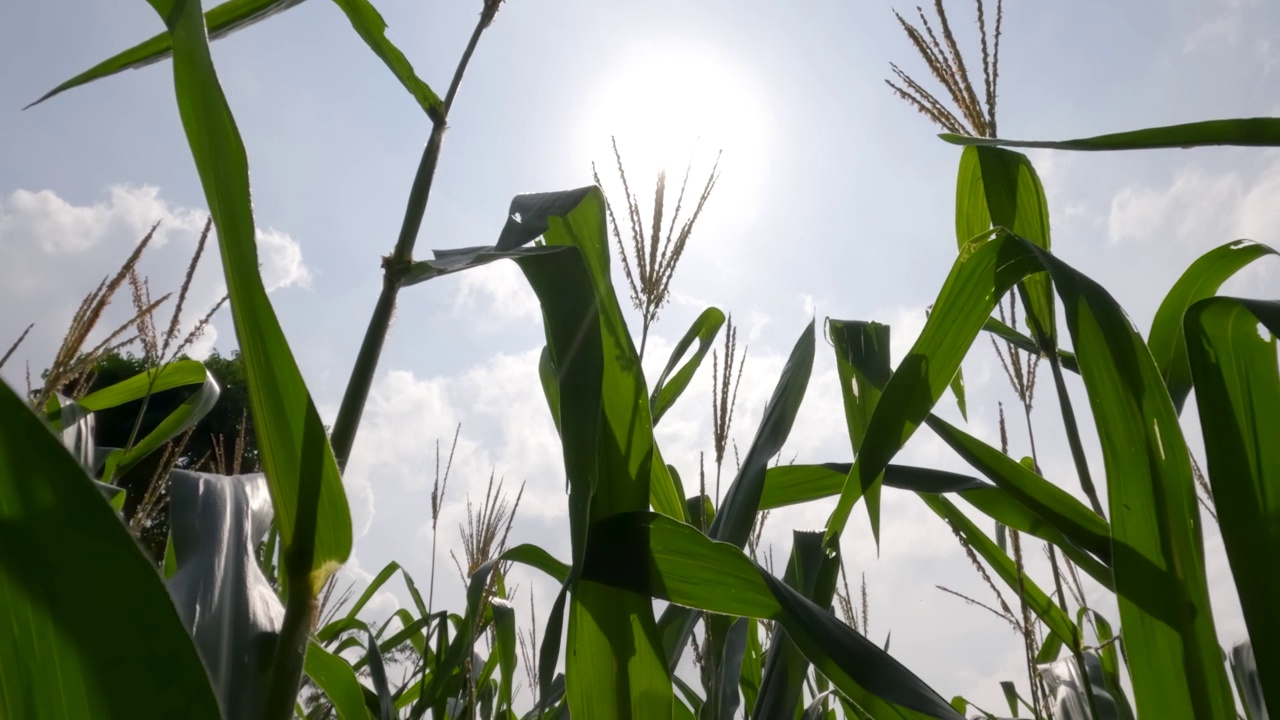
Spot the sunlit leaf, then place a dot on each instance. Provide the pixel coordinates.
(1232, 345)
(310, 504)
(65, 551)
(1201, 280)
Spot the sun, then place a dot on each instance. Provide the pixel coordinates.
(668, 104)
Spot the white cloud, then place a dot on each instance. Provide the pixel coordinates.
(281, 260)
(497, 291)
(1193, 207)
(57, 251)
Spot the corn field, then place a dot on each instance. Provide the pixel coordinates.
(664, 608)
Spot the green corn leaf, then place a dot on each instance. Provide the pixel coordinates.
(1249, 132)
(180, 373)
(504, 623)
(689, 695)
(794, 484)
(378, 676)
(1201, 280)
(183, 418)
(333, 628)
(1000, 188)
(1175, 660)
(655, 555)
(61, 659)
(1158, 560)
(1237, 385)
(229, 17)
(862, 353)
(1066, 515)
(368, 23)
(667, 391)
(338, 681)
(926, 371)
(222, 20)
(752, 664)
(812, 573)
(736, 515)
(727, 636)
(611, 462)
(310, 504)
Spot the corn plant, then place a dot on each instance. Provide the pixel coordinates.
(233, 645)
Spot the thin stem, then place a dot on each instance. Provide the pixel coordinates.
(286, 670)
(394, 266)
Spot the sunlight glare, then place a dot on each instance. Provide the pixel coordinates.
(669, 104)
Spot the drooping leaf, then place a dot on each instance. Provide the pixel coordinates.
(368, 23)
(1064, 515)
(66, 550)
(652, 554)
(862, 356)
(179, 373)
(1242, 131)
(1157, 556)
(224, 600)
(666, 392)
(925, 372)
(1237, 385)
(793, 484)
(310, 503)
(1201, 280)
(222, 20)
(183, 418)
(228, 17)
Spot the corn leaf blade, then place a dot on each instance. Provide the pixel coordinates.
(1248, 132)
(59, 658)
(338, 681)
(310, 504)
(1201, 280)
(655, 555)
(1237, 386)
(669, 387)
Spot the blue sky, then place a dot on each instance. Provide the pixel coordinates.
(836, 199)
